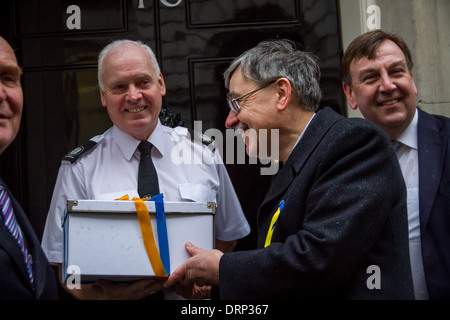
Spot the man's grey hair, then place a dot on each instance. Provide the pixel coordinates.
(117, 44)
(274, 59)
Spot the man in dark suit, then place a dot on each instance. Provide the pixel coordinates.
(377, 79)
(333, 224)
(16, 282)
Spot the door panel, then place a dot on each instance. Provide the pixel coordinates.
(220, 13)
(194, 41)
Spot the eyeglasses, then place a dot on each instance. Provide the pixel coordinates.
(233, 103)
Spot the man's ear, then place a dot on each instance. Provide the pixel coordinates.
(284, 90)
(102, 97)
(162, 85)
(350, 98)
(414, 83)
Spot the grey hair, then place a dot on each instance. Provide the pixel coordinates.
(275, 59)
(117, 44)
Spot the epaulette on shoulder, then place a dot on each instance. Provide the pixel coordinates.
(198, 136)
(194, 136)
(73, 155)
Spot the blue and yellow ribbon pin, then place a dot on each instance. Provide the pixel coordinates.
(273, 224)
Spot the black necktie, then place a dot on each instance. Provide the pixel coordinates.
(147, 177)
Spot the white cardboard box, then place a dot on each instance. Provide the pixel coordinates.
(103, 239)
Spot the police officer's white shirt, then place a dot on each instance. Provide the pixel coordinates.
(109, 170)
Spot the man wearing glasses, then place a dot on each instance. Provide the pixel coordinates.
(333, 224)
(252, 150)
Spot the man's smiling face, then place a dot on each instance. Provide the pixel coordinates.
(133, 91)
(257, 114)
(11, 96)
(383, 89)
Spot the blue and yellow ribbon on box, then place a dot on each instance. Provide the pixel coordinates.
(160, 261)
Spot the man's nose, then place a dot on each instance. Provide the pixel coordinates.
(2, 93)
(231, 120)
(387, 84)
(133, 93)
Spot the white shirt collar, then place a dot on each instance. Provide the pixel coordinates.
(128, 143)
(303, 132)
(409, 136)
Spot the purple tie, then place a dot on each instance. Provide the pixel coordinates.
(10, 221)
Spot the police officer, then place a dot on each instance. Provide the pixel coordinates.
(106, 168)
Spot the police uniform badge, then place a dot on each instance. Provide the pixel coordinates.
(73, 155)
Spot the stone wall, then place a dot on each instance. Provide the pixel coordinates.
(425, 26)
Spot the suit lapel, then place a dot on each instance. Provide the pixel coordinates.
(10, 244)
(431, 161)
(314, 133)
